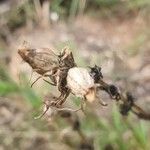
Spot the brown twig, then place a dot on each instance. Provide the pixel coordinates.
(127, 100)
(128, 103)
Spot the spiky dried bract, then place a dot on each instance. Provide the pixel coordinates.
(66, 59)
(95, 73)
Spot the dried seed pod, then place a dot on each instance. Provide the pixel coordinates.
(66, 59)
(81, 83)
(42, 60)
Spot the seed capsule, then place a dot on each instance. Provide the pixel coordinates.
(81, 83)
(41, 60)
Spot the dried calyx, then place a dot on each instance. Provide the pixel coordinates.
(96, 73)
(65, 58)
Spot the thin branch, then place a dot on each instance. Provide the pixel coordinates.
(128, 103)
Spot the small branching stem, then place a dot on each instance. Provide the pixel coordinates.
(118, 96)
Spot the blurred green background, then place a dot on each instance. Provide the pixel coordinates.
(111, 33)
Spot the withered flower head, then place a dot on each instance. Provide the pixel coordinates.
(96, 73)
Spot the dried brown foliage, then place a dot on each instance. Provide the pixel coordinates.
(80, 82)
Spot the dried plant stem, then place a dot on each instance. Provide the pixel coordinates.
(139, 112)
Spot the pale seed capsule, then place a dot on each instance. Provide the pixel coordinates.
(81, 83)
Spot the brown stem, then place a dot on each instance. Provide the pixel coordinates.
(127, 102)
